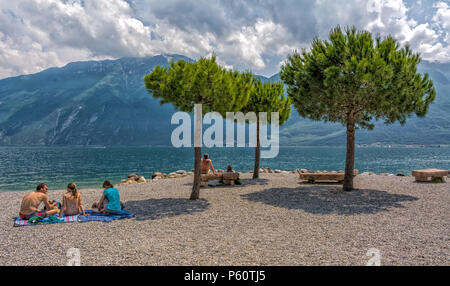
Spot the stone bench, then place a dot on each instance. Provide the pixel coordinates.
(322, 176)
(204, 178)
(429, 175)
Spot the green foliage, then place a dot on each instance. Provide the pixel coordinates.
(353, 79)
(204, 82)
(437, 180)
(352, 74)
(269, 97)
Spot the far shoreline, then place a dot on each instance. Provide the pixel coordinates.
(372, 145)
(273, 173)
(21, 168)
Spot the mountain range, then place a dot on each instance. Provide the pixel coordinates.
(105, 103)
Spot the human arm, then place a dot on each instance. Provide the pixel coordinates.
(212, 167)
(63, 207)
(80, 206)
(48, 205)
(100, 203)
(51, 204)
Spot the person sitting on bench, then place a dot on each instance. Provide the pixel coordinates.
(207, 164)
(229, 170)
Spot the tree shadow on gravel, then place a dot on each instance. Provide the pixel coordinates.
(245, 182)
(259, 181)
(334, 183)
(153, 209)
(430, 183)
(330, 199)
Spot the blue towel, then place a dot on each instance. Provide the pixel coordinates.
(104, 217)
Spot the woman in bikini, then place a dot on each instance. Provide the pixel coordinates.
(71, 202)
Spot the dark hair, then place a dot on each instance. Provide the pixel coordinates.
(107, 184)
(40, 186)
(205, 155)
(229, 168)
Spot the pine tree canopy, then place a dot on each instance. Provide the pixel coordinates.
(269, 97)
(204, 82)
(355, 74)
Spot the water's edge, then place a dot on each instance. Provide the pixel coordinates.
(22, 168)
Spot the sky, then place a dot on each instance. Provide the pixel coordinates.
(253, 35)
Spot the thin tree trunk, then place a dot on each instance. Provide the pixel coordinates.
(350, 155)
(257, 152)
(197, 172)
(197, 151)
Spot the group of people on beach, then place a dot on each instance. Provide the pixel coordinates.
(206, 165)
(71, 202)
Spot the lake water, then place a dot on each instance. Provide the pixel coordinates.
(22, 168)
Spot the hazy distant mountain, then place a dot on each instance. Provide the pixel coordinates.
(106, 103)
(85, 103)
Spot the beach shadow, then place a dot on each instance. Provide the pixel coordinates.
(252, 182)
(320, 183)
(245, 182)
(153, 209)
(330, 199)
(429, 183)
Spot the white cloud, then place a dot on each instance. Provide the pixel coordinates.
(44, 33)
(442, 19)
(250, 43)
(392, 19)
(245, 34)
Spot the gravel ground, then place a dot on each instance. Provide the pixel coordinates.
(275, 220)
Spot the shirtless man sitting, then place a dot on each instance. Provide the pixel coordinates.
(206, 164)
(31, 202)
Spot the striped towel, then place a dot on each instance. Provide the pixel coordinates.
(21, 222)
(79, 218)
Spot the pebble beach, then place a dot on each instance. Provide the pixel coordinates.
(274, 220)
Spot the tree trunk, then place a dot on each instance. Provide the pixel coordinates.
(197, 172)
(197, 151)
(350, 155)
(257, 152)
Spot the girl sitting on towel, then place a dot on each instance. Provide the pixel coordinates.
(109, 201)
(71, 202)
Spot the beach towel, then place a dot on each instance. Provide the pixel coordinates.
(76, 218)
(48, 220)
(104, 217)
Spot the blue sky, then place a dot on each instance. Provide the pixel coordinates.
(254, 35)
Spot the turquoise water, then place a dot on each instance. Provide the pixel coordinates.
(22, 168)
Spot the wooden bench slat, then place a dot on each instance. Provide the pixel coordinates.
(220, 176)
(429, 174)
